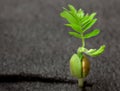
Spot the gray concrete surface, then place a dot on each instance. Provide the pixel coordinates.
(34, 40)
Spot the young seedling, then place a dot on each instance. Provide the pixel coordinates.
(80, 23)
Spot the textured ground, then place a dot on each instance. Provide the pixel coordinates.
(34, 40)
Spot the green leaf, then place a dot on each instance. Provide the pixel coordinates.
(80, 13)
(94, 52)
(92, 34)
(65, 14)
(81, 50)
(87, 18)
(72, 9)
(92, 16)
(89, 24)
(76, 66)
(91, 51)
(75, 34)
(79, 22)
(84, 18)
(88, 21)
(75, 27)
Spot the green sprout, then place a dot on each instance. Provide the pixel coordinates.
(80, 23)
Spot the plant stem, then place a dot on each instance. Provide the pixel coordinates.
(83, 41)
(81, 82)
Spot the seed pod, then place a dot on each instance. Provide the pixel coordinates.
(76, 66)
(79, 66)
(85, 66)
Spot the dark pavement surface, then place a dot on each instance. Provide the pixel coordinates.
(34, 41)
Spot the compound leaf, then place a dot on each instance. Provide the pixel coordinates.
(75, 27)
(75, 34)
(80, 13)
(72, 9)
(89, 24)
(92, 34)
(95, 52)
(65, 14)
(76, 66)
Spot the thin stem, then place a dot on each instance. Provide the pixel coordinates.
(83, 41)
(81, 82)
